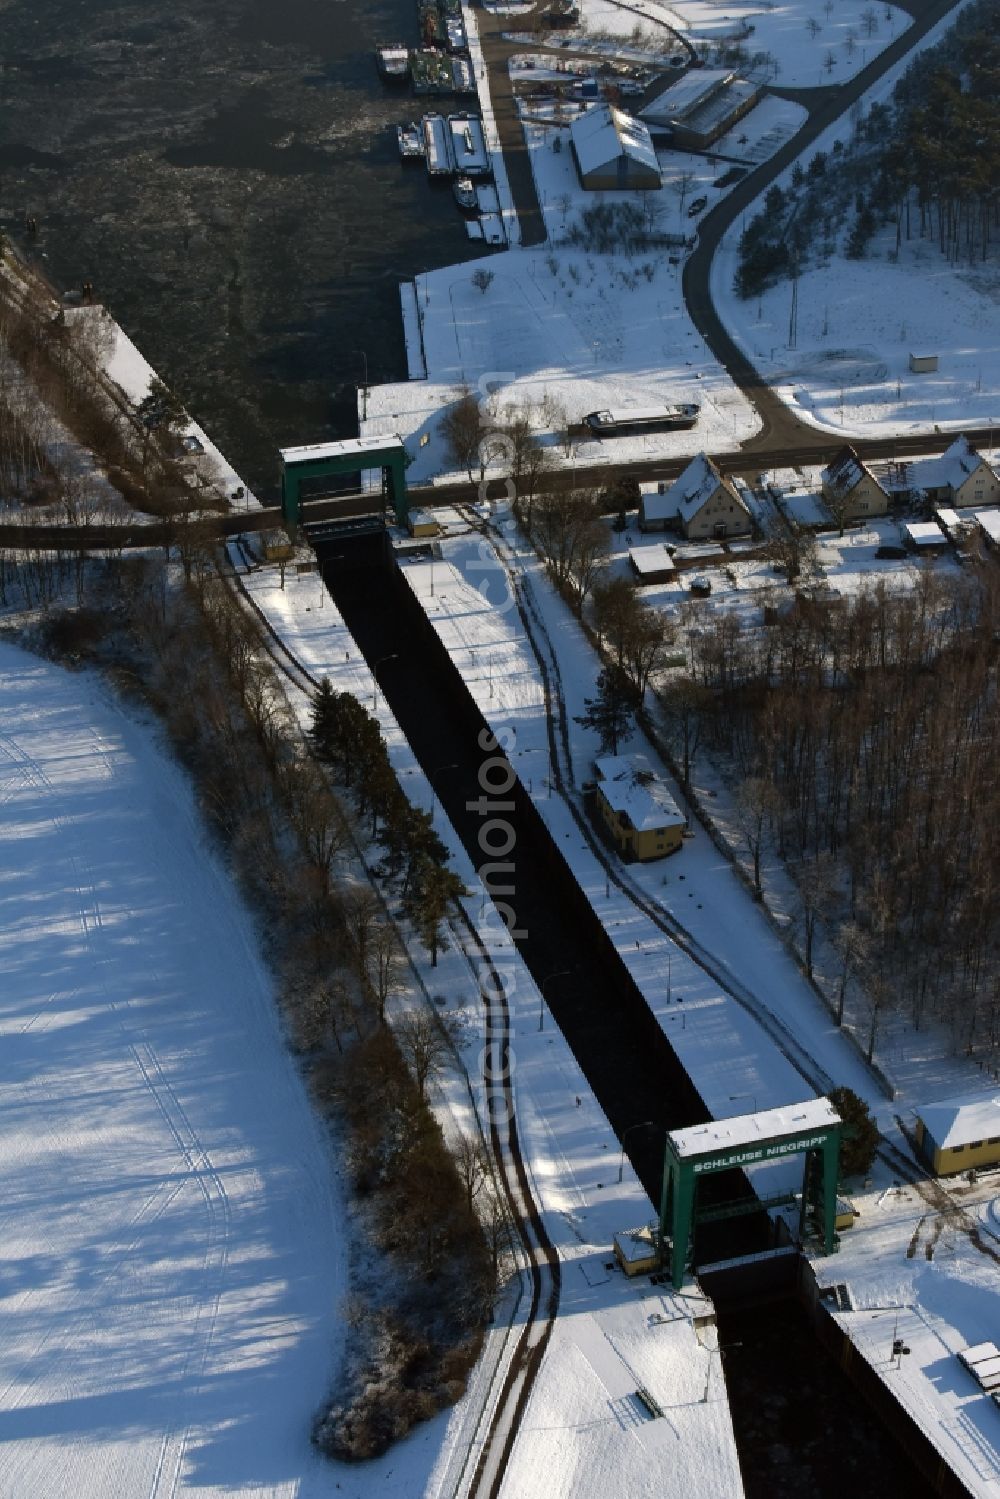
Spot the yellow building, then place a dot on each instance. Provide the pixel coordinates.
(852, 490)
(420, 523)
(637, 809)
(960, 1133)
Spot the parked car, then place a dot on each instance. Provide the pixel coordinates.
(701, 585)
(696, 206)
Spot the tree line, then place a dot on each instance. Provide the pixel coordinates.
(926, 163)
(861, 736)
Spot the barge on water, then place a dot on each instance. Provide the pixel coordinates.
(393, 60)
(435, 72)
(468, 145)
(437, 146)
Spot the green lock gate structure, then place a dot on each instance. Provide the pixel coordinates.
(322, 460)
(812, 1128)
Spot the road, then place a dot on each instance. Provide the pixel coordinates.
(781, 429)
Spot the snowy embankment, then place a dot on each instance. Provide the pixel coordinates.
(171, 1266)
(579, 1432)
(846, 369)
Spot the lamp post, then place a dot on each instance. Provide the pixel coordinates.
(752, 1097)
(392, 656)
(560, 973)
(645, 1124)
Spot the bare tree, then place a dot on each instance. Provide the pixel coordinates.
(473, 1166)
(462, 430)
(756, 802)
(382, 966)
(428, 1042)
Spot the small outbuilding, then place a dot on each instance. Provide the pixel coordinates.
(637, 1250)
(958, 1134)
(923, 536)
(652, 564)
(422, 523)
(923, 364)
(613, 151)
(638, 811)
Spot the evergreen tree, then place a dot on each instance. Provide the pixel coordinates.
(860, 1137)
(612, 712)
(432, 889)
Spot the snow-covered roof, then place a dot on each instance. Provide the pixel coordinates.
(688, 493)
(349, 447)
(962, 1121)
(950, 470)
(751, 1130)
(846, 472)
(629, 784)
(924, 533)
(651, 559)
(680, 98)
(989, 520)
(635, 1244)
(950, 519)
(605, 133)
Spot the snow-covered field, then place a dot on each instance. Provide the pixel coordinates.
(785, 32)
(859, 320)
(170, 1262)
(918, 1275)
(586, 331)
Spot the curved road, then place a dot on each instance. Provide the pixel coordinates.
(780, 426)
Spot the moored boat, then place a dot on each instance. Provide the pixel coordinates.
(465, 194)
(437, 146)
(411, 141)
(393, 59)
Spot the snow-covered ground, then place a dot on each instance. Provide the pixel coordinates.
(170, 1263)
(915, 1273)
(734, 1064)
(584, 331)
(583, 1430)
(859, 320)
(686, 175)
(797, 36)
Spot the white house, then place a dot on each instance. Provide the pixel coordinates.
(851, 489)
(613, 151)
(959, 478)
(701, 504)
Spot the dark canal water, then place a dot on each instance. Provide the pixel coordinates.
(226, 174)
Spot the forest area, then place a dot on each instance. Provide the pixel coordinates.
(859, 735)
(925, 165)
